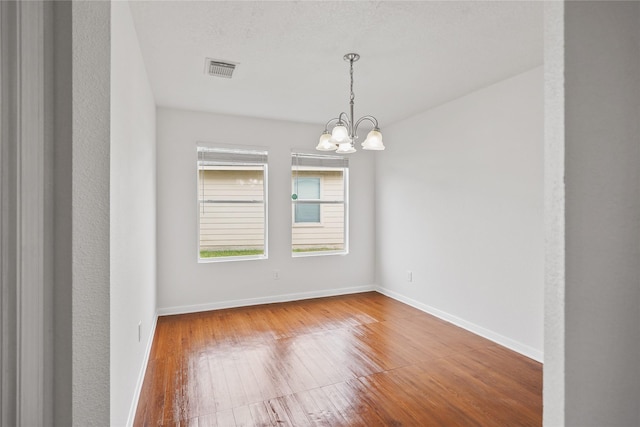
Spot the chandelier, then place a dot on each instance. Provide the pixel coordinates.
(345, 130)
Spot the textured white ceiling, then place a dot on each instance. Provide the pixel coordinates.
(414, 55)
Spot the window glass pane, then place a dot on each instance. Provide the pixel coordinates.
(232, 207)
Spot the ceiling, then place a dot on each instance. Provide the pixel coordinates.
(414, 55)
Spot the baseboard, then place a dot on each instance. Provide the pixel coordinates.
(143, 371)
(263, 300)
(516, 346)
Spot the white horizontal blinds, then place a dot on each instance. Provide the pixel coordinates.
(314, 160)
(233, 202)
(208, 156)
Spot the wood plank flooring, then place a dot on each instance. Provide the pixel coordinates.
(354, 360)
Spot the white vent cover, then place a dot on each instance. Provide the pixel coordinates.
(217, 68)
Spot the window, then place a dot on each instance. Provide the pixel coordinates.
(319, 204)
(232, 203)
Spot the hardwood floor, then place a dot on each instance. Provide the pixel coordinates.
(354, 360)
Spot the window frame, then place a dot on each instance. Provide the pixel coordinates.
(345, 203)
(241, 149)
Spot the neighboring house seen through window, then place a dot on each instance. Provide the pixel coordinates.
(319, 204)
(232, 203)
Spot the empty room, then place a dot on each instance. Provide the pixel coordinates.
(320, 213)
(437, 222)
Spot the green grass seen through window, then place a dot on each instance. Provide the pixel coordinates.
(230, 252)
(247, 252)
(315, 249)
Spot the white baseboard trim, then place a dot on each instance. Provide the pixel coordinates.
(516, 346)
(143, 371)
(263, 300)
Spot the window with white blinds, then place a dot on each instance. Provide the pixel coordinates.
(232, 203)
(319, 204)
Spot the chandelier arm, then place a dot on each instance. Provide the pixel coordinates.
(345, 118)
(372, 119)
(341, 118)
(326, 126)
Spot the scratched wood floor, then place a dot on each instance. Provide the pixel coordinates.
(355, 360)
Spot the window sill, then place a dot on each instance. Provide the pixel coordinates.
(317, 253)
(213, 260)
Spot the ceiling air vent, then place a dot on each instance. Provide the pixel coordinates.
(218, 68)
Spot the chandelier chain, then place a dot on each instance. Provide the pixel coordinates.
(351, 74)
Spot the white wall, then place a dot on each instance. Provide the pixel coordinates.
(459, 202)
(133, 213)
(186, 285)
(554, 213)
(89, 189)
(602, 234)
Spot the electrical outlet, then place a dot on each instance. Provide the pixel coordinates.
(139, 331)
(276, 274)
(409, 276)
